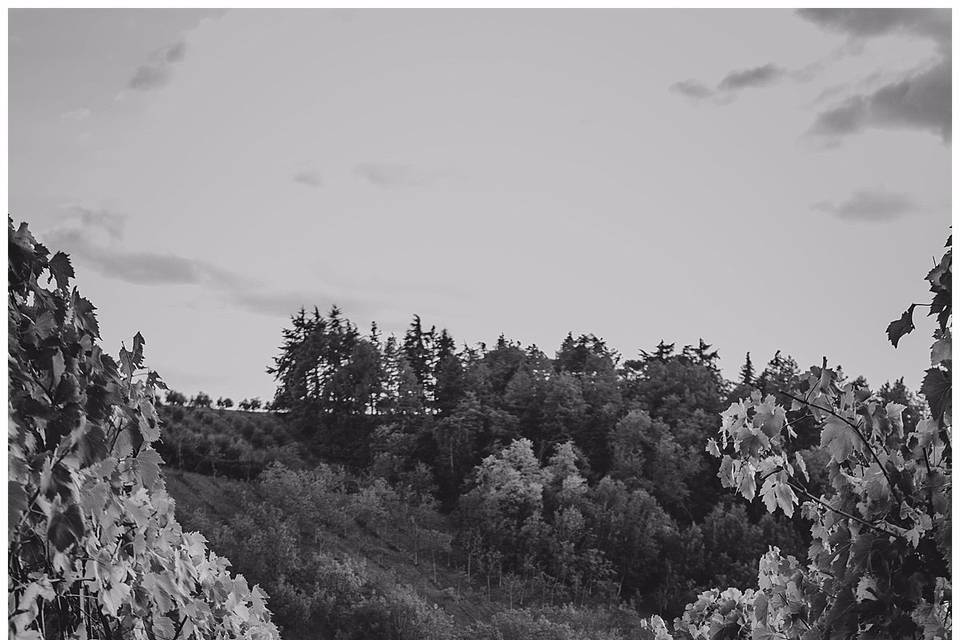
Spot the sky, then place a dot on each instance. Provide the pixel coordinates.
(764, 179)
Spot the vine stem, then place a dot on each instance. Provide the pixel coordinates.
(849, 516)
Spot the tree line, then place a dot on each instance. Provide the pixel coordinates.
(584, 467)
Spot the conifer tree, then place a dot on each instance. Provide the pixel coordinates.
(746, 371)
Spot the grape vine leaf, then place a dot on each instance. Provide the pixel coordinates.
(838, 438)
(899, 328)
(748, 483)
(940, 351)
(769, 493)
(60, 270)
(936, 389)
(149, 462)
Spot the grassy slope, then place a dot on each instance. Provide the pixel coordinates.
(220, 498)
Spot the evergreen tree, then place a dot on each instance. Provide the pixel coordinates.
(746, 371)
(418, 348)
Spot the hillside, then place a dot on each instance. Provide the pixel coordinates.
(202, 499)
(220, 498)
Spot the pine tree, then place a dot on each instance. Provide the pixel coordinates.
(704, 355)
(746, 371)
(418, 348)
(664, 351)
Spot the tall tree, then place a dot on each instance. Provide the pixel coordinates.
(746, 371)
(418, 348)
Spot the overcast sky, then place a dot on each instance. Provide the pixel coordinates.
(764, 179)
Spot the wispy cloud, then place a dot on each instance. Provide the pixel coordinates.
(139, 267)
(108, 222)
(761, 76)
(870, 205)
(918, 99)
(692, 89)
(868, 23)
(308, 178)
(159, 69)
(732, 83)
(921, 100)
(82, 236)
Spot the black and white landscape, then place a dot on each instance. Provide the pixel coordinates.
(479, 324)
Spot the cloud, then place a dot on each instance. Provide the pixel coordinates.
(308, 178)
(139, 267)
(868, 23)
(80, 236)
(919, 99)
(692, 89)
(158, 71)
(751, 78)
(731, 83)
(869, 205)
(109, 222)
(92, 236)
(388, 175)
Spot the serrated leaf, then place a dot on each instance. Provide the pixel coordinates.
(760, 605)
(60, 270)
(899, 328)
(839, 439)
(137, 355)
(149, 462)
(769, 493)
(786, 498)
(154, 380)
(712, 448)
(941, 307)
(941, 350)
(726, 473)
(748, 482)
(770, 417)
(936, 389)
(802, 465)
(84, 312)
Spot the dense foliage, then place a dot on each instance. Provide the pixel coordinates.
(600, 478)
(579, 477)
(94, 548)
(879, 563)
(316, 592)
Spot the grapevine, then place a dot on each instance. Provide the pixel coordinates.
(94, 548)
